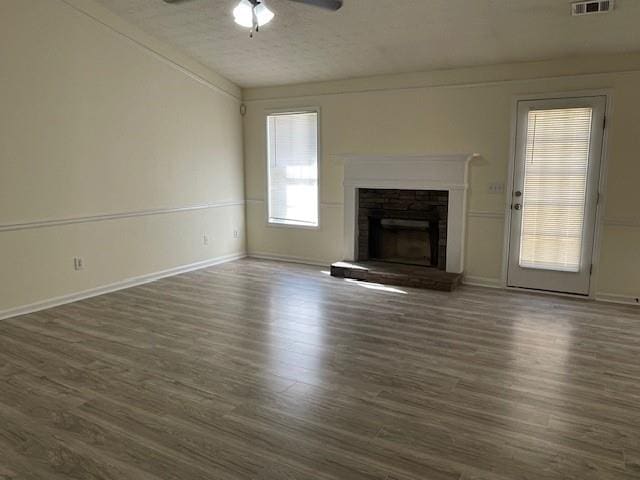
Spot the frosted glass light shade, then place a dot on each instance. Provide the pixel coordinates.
(243, 14)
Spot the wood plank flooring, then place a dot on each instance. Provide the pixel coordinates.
(266, 370)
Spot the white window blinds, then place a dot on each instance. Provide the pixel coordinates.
(293, 168)
(555, 181)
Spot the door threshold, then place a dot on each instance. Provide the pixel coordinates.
(578, 296)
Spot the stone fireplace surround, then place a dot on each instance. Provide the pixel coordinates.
(412, 172)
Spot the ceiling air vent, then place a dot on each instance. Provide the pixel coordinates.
(591, 6)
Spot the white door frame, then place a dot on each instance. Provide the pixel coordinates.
(602, 182)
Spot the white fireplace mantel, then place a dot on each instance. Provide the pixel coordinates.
(414, 172)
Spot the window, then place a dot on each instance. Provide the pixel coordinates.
(555, 185)
(292, 139)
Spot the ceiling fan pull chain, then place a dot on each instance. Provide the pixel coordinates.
(254, 18)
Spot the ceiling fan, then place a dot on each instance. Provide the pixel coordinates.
(254, 13)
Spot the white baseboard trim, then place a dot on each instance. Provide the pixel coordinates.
(152, 277)
(112, 287)
(615, 298)
(288, 258)
(488, 282)
(598, 297)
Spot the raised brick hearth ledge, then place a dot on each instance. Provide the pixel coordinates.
(398, 274)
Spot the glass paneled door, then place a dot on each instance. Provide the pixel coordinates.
(555, 194)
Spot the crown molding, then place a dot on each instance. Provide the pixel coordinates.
(578, 66)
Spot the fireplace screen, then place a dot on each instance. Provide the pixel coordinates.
(403, 226)
(400, 241)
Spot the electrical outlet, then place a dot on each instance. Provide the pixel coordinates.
(205, 239)
(496, 187)
(78, 263)
(236, 234)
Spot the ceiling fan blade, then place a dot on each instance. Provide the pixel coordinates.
(326, 4)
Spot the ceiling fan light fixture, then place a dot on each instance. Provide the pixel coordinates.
(264, 14)
(244, 11)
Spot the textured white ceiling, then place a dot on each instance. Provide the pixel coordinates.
(369, 37)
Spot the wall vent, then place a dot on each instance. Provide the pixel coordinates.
(590, 7)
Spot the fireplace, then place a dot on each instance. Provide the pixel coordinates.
(401, 241)
(403, 226)
(420, 172)
(405, 219)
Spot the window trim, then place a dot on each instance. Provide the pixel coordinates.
(291, 111)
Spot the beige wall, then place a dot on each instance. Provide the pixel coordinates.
(452, 112)
(98, 119)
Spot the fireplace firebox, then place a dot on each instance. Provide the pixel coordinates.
(403, 226)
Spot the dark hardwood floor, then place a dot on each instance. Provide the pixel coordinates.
(264, 370)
